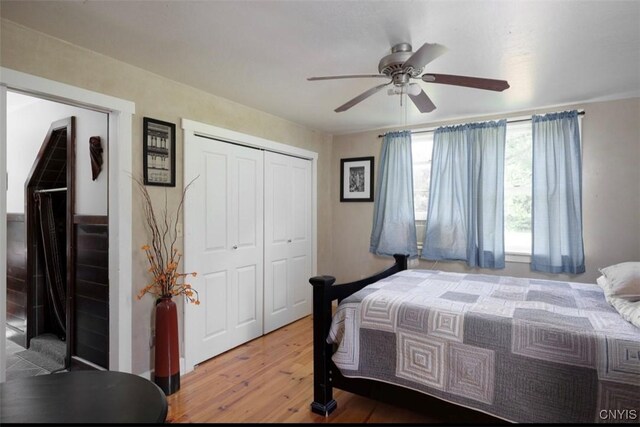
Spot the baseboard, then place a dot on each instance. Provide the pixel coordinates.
(149, 374)
(86, 364)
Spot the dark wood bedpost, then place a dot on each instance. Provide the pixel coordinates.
(401, 261)
(323, 402)
(324, 292)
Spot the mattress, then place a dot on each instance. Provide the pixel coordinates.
(524, 350)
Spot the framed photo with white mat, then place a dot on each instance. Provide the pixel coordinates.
(356, 179)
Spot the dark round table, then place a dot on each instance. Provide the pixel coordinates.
(82, 397)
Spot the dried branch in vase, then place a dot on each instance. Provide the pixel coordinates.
(162, 255)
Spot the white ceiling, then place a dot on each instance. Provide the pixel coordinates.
(259, 53)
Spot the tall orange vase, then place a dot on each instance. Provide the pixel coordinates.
(167, 363)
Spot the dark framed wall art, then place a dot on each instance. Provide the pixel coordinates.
(159, 153)
(356, 179)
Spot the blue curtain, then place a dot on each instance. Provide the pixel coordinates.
(394, 225)
(557, 194)
(465, 220)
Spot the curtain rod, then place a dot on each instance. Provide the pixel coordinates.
(580, 113)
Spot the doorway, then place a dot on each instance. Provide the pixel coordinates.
(120, 114)
(57, 264)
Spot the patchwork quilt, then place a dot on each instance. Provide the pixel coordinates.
(523, 350)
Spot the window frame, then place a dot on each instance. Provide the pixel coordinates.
(514, 255)
(510, 256)
(421, 223)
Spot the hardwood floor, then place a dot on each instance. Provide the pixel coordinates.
(270, 379)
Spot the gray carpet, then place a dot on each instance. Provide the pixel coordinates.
(50, 347)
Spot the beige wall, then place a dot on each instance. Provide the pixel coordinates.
(32, 52)
(611, 197)
(611, 158)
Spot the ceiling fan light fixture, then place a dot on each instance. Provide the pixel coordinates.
(408, 89)
(395, 90)
(414, 89)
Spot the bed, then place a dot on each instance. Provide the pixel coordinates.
(520, 350)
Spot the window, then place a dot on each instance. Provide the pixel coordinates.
(421, 149)
(518, 163)
(517, 185)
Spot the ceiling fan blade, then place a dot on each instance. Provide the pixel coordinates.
(427, 53)
(352, 76)
(474, 82)
(360, 98)
(423, 102)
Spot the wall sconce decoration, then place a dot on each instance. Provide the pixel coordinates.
(95, 151)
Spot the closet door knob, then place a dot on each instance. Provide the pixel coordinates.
(289, 241)
(234, 247)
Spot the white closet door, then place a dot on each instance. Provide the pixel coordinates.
(287, 250)
(224, 243)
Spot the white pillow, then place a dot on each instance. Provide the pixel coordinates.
(630, 311)
(602, 282)
(622, 280)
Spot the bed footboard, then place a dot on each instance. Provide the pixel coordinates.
(324, 293)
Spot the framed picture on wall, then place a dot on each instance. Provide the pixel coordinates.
(356, 179)
(159, 153)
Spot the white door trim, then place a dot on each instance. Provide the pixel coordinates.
(120, 113)
(192, 129)
(228, 135)
(3, 231)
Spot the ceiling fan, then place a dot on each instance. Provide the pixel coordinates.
(402, 65)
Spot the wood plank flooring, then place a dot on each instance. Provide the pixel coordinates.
(270, 379)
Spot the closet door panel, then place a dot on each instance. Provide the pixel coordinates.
(209, 203)
(247, 290)
(277, 183)
(246, 244)
(224, 238)
(301, 241)
(278, 294)
(287, 239)
(246, 177)
(216, 206)
(214, 304)
(279, 200)
(300, 217)
(299, 273)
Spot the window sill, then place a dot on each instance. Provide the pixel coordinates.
(517, 257)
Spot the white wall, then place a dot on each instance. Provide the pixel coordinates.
(28, 120)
